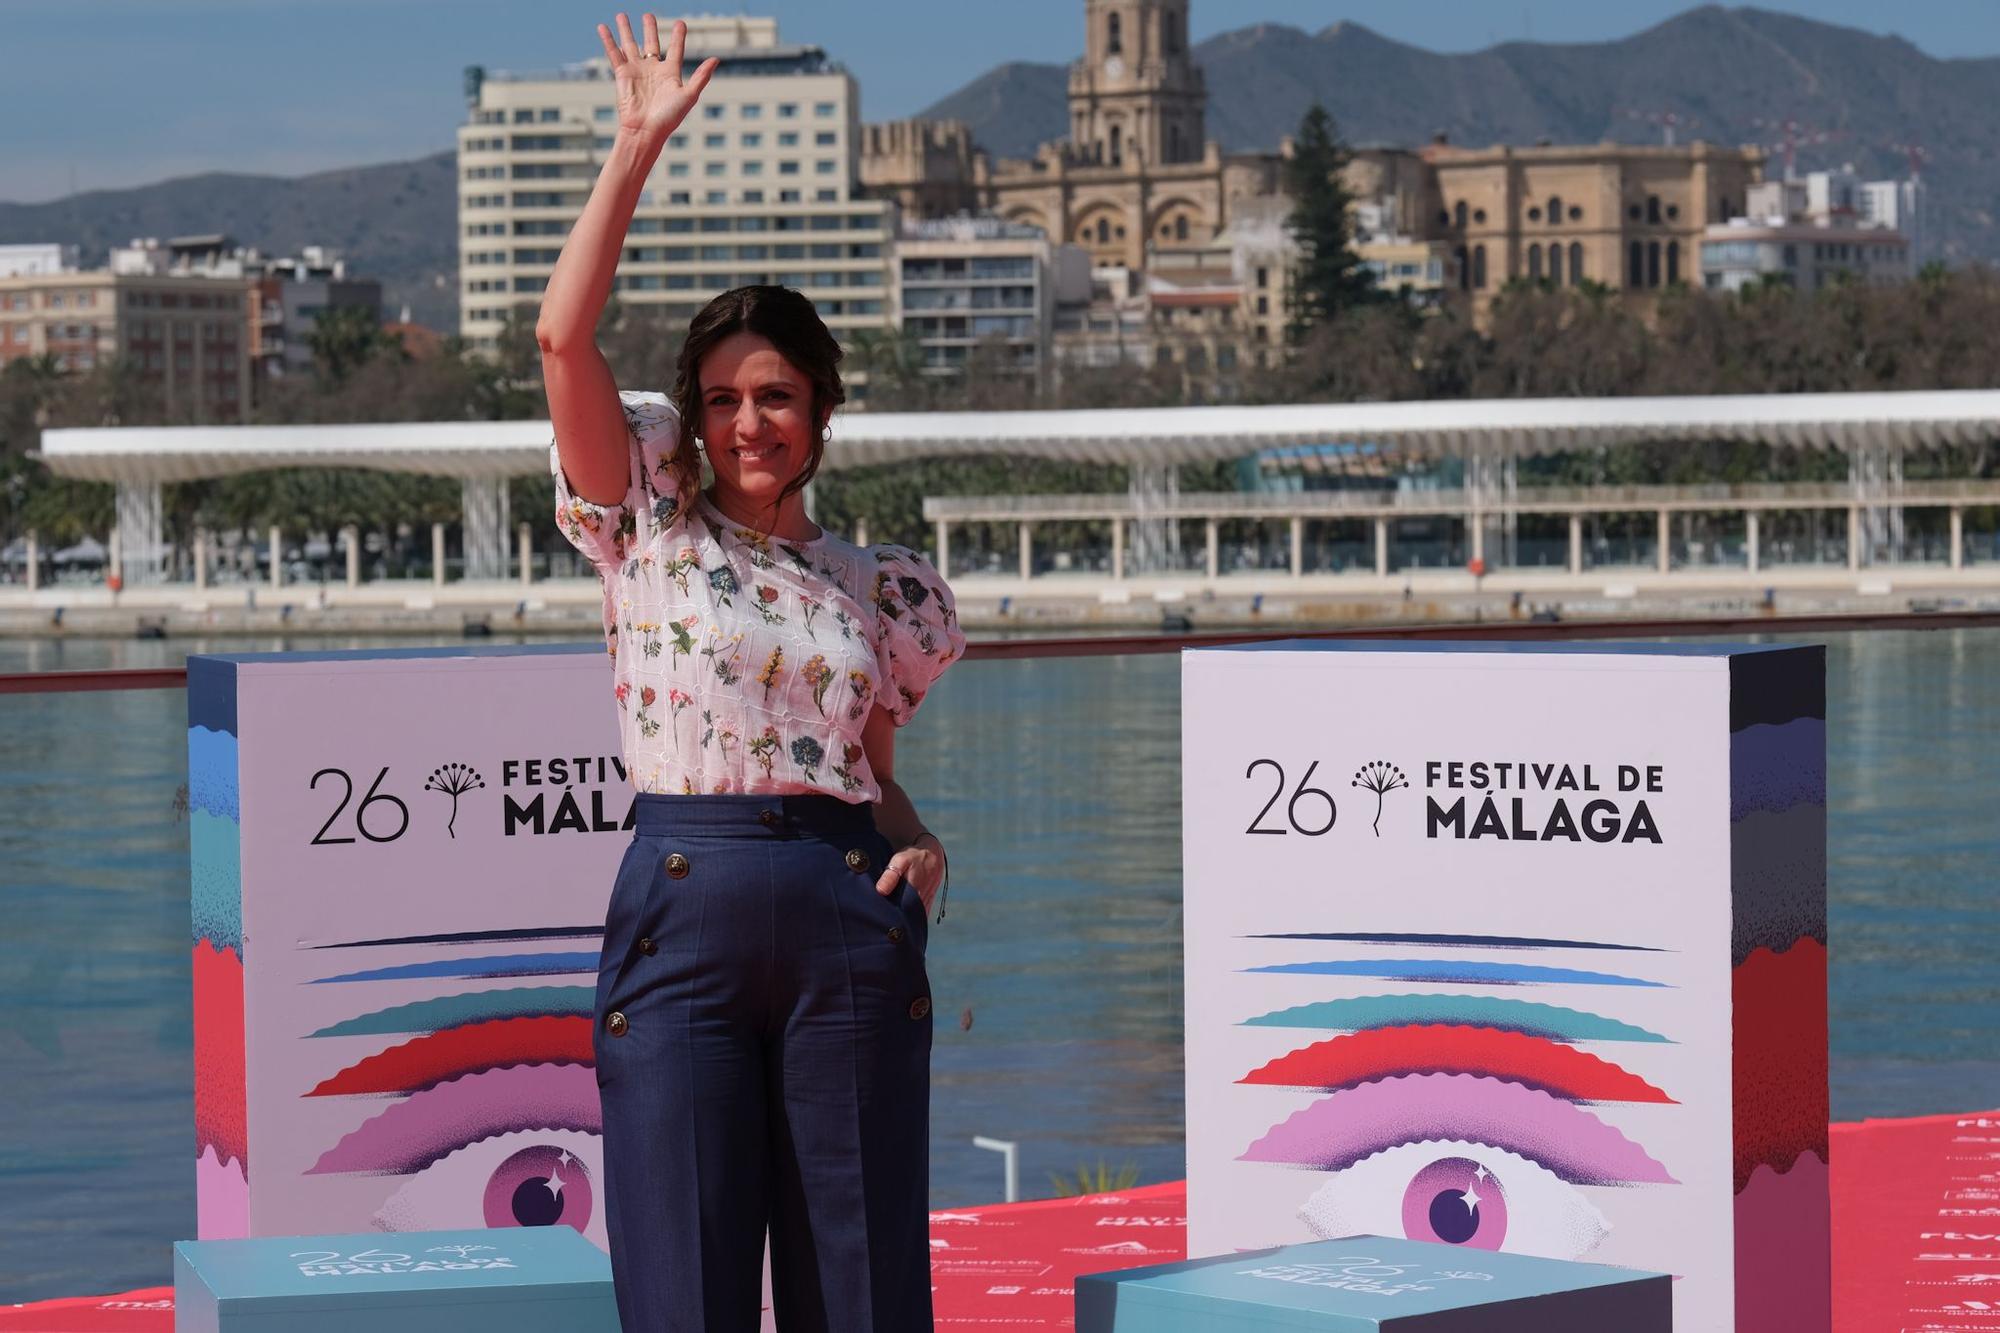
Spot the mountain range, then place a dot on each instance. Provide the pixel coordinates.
(1730, 75)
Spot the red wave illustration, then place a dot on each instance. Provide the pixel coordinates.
(1537, 1062)
(219, 1093)
(1779, 1060)
(424, 1061)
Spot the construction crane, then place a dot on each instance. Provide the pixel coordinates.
(1793, 133)
(1917, 155)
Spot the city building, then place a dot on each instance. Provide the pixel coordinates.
(966, 280)
(757, 186)
(17, 261)
(292, 291)
(186, 338)
(1137, 169)
(1814, 230)
(1742, 251)
(1627, 217)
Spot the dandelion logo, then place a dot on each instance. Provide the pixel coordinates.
(1380, 777)
(454, 780)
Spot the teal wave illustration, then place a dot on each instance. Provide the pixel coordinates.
(1383, 1011)
(449, 1011)
(216, 877)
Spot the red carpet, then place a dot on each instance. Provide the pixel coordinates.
(1916, 1246)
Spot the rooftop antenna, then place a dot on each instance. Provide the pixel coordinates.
(1668, 121)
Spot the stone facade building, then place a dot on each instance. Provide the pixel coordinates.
(1137, 173)
(1139, 185)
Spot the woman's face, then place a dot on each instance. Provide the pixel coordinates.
(756, 417)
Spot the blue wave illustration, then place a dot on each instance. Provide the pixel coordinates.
(1459, 970)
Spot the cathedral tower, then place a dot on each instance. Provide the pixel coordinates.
(1137, 96)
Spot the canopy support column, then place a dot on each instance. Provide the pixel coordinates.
(1750, 526)
(1154, 487)
(944, 548)
(350, 537)
(277, 557)
(1576, 543)
(526, 540)
(1382, 548)
(1027, 550)
(1664, 555)
(484, 506)
(139, 528)
(34, 560)
(1957, 557)
(1213, 541)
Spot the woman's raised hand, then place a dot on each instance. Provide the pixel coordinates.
(653, 99)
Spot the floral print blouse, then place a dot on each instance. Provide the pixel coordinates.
(744, 662)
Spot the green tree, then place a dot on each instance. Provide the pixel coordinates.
(1328, 276)
(345, 338)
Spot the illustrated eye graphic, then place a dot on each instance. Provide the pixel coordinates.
(530, 1178)
(1355, 1123)
(1459, 1159)
(1466, 1194)
(512, 1146)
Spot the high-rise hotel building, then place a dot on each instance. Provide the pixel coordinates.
(758, 185)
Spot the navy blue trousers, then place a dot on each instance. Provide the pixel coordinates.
(763, 1039)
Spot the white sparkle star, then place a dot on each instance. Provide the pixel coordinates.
(1479, 1174)
(1471, 1199)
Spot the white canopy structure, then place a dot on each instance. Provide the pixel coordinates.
(1874, 429)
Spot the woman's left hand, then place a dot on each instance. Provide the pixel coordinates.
(919, 863)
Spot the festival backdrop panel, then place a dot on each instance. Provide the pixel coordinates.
(400, 867)
(1514, 947)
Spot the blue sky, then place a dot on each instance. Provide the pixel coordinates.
(124, 92)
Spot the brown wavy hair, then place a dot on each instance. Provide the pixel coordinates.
(788, 321)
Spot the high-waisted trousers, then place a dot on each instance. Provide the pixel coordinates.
(763, 1039)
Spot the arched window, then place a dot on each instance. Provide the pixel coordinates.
(1117, 143)
(1114, 37)
(1556, 263)
(1653, 209)
(1181, 228)
(1103, 230)
(1534, 263)
(1458, 214)
(1635, 269)
(1555, 209)
(1673, 262)
(1652, 263)
(1479, 267)
(1575, 262)
(1459, 261)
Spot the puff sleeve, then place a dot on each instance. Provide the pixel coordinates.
(917, 632)
(609, 534)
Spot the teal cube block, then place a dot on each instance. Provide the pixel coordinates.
(505, 1280)
(1373, 1284)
